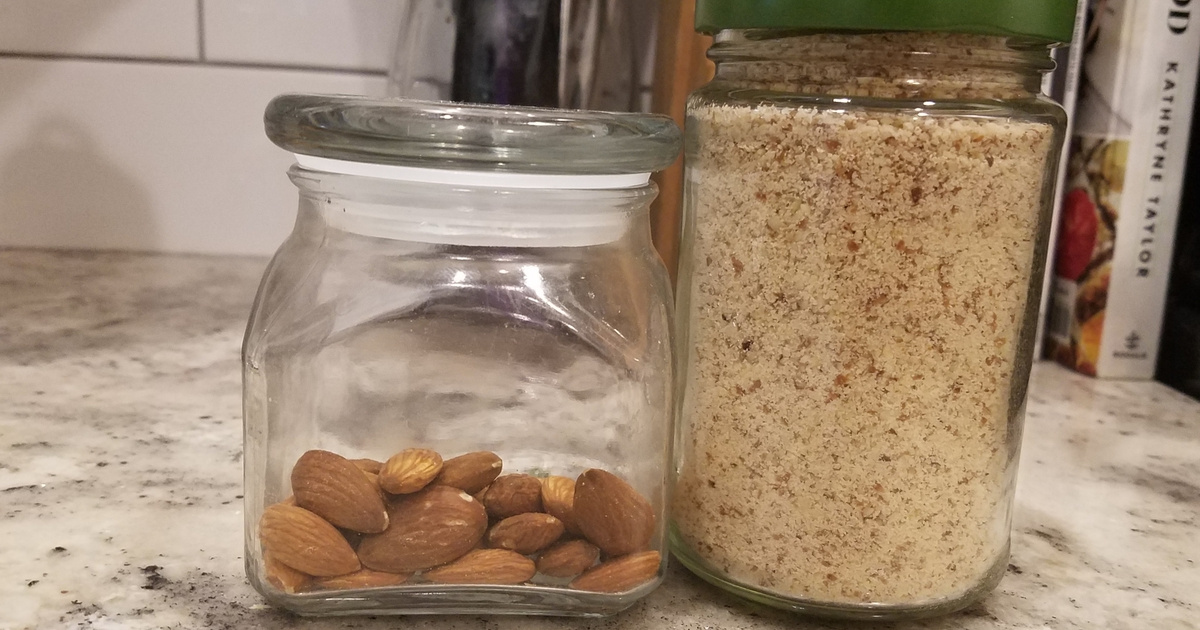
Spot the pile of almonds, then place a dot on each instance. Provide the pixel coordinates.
(416, 518)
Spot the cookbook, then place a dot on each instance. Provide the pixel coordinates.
(1125, 173)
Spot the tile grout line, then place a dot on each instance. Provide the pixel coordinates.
(200, 31)
(161, 61)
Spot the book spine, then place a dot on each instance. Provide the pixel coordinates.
(1149, 214)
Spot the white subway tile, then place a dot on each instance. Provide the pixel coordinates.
(147, 156)
(163, 29)
(352, 34)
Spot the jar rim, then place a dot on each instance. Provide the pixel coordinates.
(471, 137)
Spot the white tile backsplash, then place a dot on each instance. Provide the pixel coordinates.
(352, 34)
(162, 29)
(147, 156)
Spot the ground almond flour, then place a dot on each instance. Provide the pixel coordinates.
(859, 280)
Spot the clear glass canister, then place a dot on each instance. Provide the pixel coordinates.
(866, 218)
(457, 372)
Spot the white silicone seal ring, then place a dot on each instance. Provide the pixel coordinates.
(491, 179)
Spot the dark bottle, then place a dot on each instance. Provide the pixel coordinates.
(506, 52)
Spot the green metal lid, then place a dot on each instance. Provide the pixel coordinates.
(1050, 20)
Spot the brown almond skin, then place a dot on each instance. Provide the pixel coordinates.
(283, 577)
(611, 514)
(485, 566)
(364, 578)
(558, 500)
(429, 528)
(471, 472)
(332, 487)
(410, 470)
(525, 533)
(305, 542)
(568, 559)
(620, 574)
(368, 465)
(510, 495)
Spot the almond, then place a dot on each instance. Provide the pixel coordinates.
(611, 514)
(485, 566)
(620, 574)
(471, 472)
(568, 559)
(283, 577)
(410, 470)
(431, 527)
(525, 533)
(305, 542)
(511, 495)
(365, 578)
(332, 487)
(368, 465)
(558, 500)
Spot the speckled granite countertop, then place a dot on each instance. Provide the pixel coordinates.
(120, 475)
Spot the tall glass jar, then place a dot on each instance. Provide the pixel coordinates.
(866, 218)
(458, 367)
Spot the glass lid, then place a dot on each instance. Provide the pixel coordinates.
(462, 137)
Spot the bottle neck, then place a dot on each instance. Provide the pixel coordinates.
(893, 65)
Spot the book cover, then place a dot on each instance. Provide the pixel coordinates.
(1062, 85)
(1125, 173)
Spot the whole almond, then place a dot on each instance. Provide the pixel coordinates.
(305, 542)
(620, 574)
(365, 578)
(568, 559)
(510, 495)
(471, 472)
(332, 487)
(525, 533)
(410, 470)
(558, 500)
(368, 465)
(485, 566)
(283, 577)
(611, 514)
(429, 528)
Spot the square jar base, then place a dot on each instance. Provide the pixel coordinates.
(839, 610)
(427, 599)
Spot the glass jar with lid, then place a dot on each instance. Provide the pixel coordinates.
(866, 217)
(457, 372)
